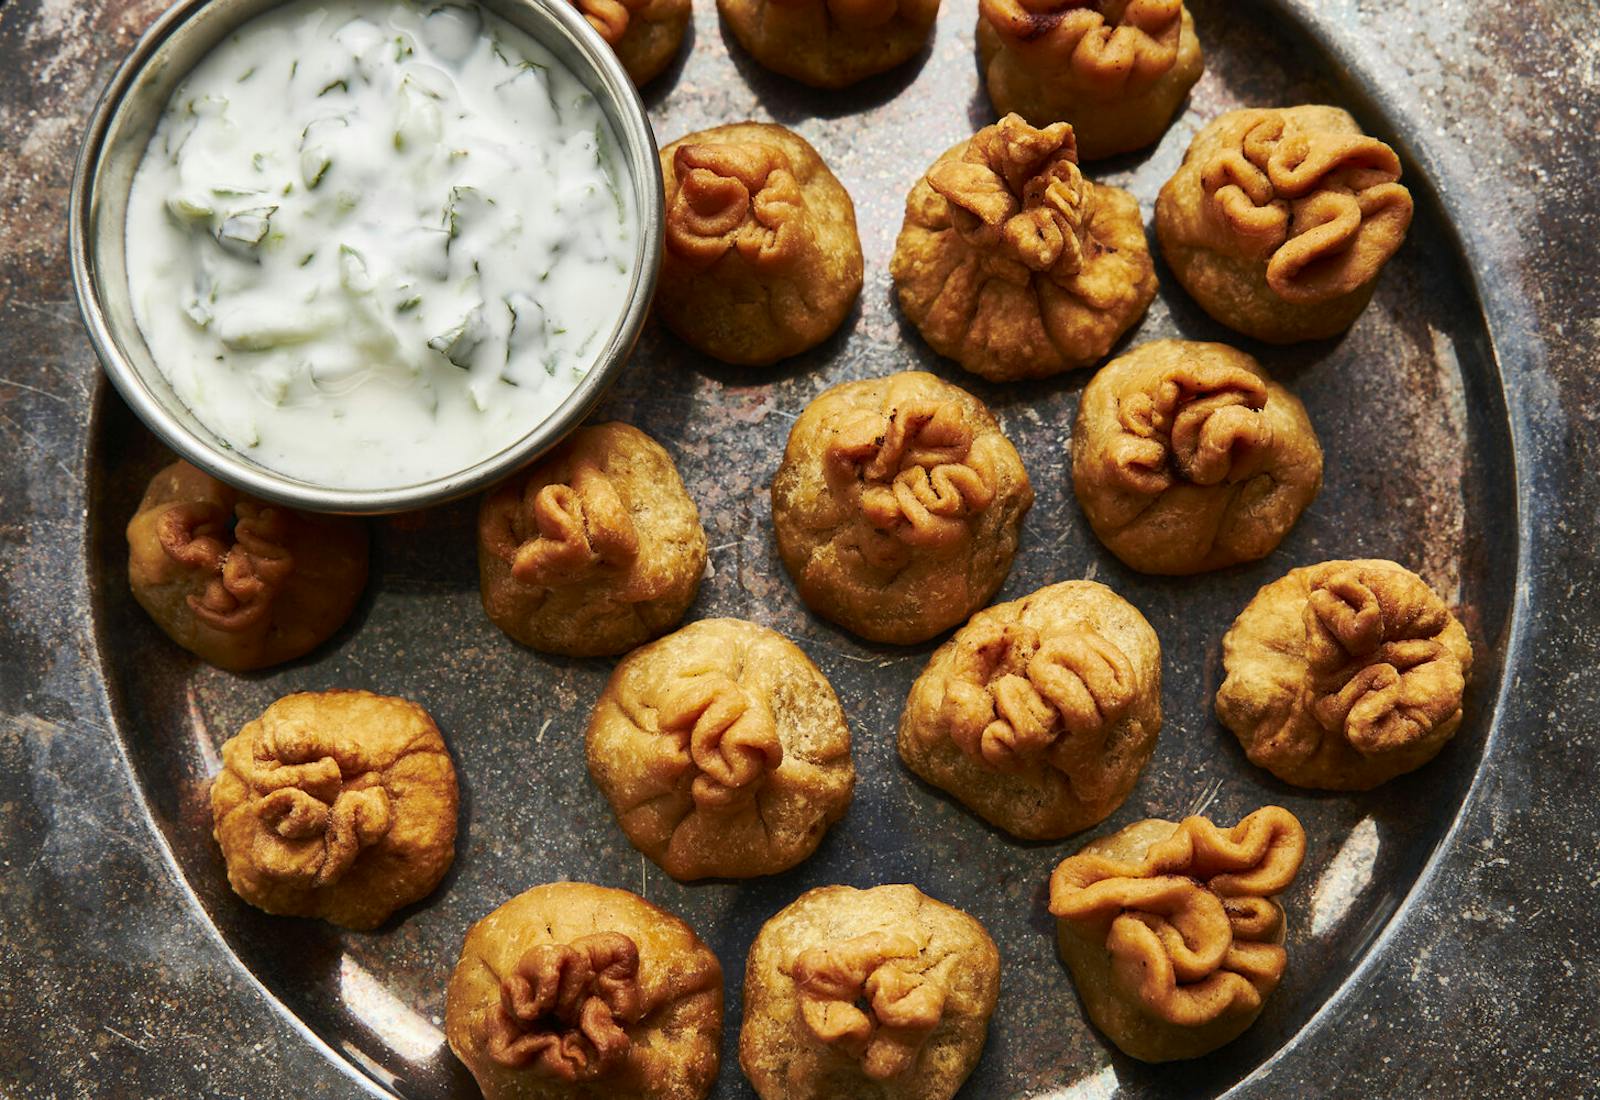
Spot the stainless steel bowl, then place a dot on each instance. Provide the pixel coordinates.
(118, 133)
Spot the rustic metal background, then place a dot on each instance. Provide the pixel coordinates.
(129, 969)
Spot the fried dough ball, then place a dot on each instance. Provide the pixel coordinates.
(881, 994)
(898, 505)
(336, 804)
(1344, 675)
(1173, 933)
(1040, 713)
(722, 750)
(577, 991)
(241, 583)
(1281, 219)
(592, 550)
(762, 260)
(1187, 457)
(830, 43)
(1116, 69)
(646, 34)
(1013, 264)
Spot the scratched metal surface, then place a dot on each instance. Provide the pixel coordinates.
(1456, 424)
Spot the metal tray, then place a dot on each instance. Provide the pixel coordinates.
(1420, 467)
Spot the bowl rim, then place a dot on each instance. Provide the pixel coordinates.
(642, 160)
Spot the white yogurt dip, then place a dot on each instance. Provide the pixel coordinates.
(373, 242)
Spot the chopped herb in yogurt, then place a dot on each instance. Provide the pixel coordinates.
(389, 257)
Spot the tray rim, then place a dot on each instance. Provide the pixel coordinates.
(1514, 346)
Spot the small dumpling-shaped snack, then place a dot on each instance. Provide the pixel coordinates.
(1173, 933)
(762, 260)
(241, 583)
(1040, 713)
(881, 994)
(830, 43)
(1344, 675)
(592, 550)
(580, 991)
(336, 804)
(1116, 69)
(1188, 457)
(898, 505)
(646, 34)
(1013, 264)
(722, 750)
(1280, 220)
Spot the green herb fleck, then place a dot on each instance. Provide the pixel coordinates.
(602, 160)
(521, 306)
(458, 343)
(315, 158)
(464, 202)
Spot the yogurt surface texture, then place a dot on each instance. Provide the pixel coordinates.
(373, 242)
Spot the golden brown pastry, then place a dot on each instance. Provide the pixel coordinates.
(1187, 457)
(1281, 219)
(238, 582)
(1116, 69)
(336, 804)
(762, 260)
(1172, 932)
(646, 34)
(1040, 713)
(830, 43)
(722, 751)
(881, 994)
(583, 992)
(897, 506)
(592, 550)
(1013, 264)
(1344, 675)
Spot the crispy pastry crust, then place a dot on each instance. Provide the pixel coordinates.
(592, 550)
(577, 992)
(1040, 713)
(898, 505)
(336, 804)
(1117, 71)
(722, 750)
(646, 34)
(1012, 263)
(881, 994)
(762, 260)
(1172, 932)
(1188, 457)
(830, 43)
(1281, 219)
(1344, 675)
(238, 582)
